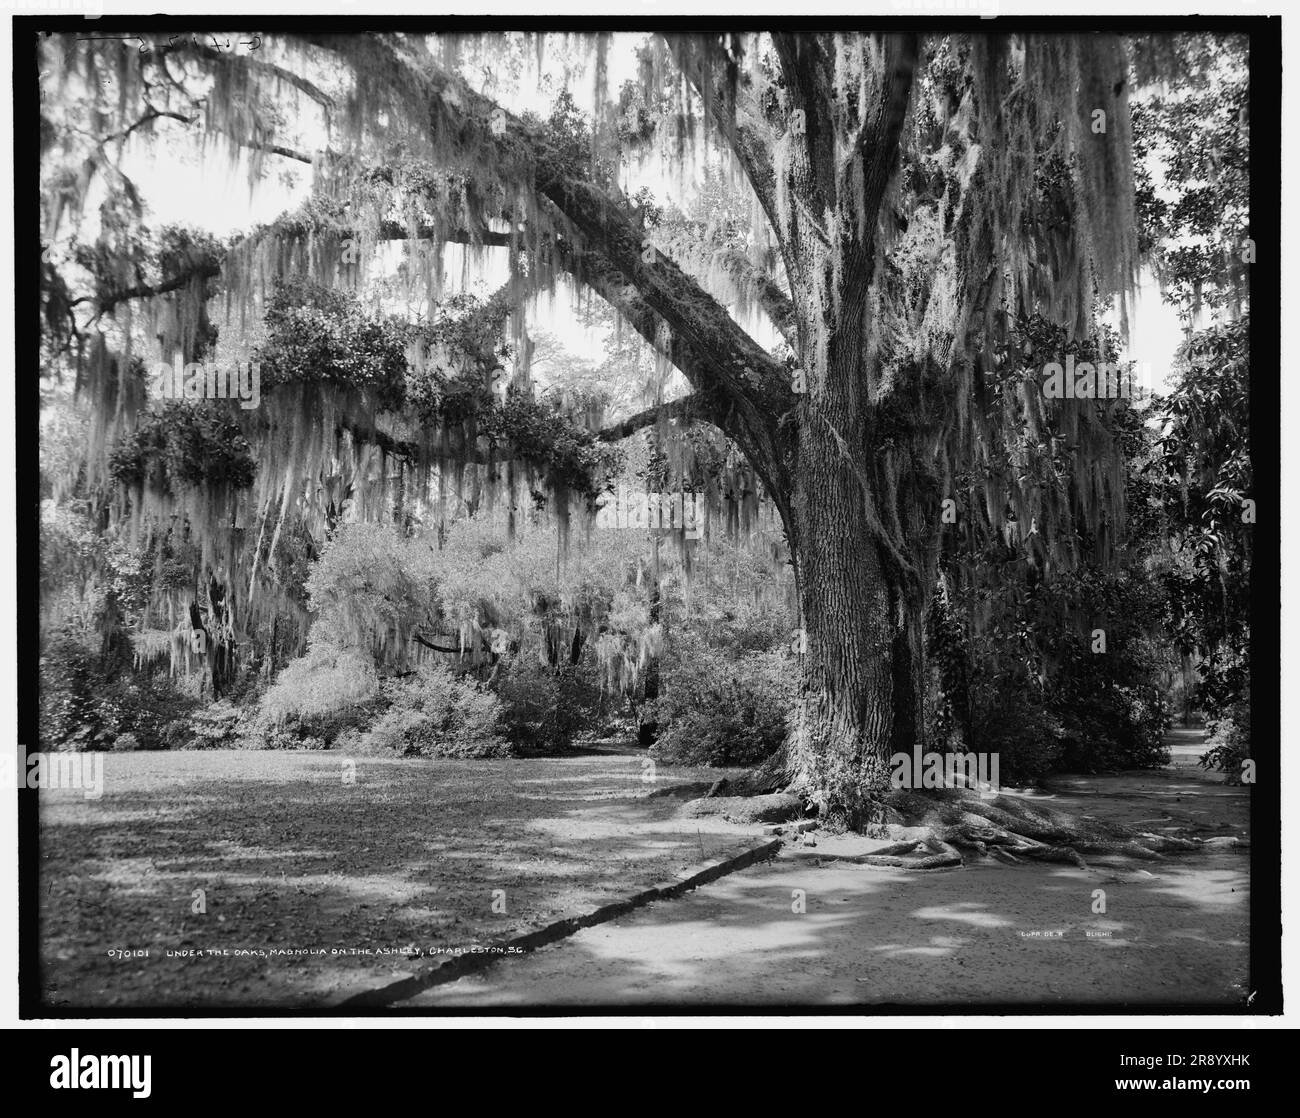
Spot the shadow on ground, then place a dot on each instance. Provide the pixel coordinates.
(292, 858)
(807, 930)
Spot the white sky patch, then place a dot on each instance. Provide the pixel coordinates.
(1155, 333)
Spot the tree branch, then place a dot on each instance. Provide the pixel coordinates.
(105, 303)
(457, 651)
(675, 409)
(739, 121)
(479, 130)
(751, 419)
(776, 304)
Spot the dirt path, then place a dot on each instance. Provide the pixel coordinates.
(1173, 931)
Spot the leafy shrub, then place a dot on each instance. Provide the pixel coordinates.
(1015, 725)
(70, 717)
(1037, 685)
(85, 707)
(313, 701)
(176, 734)
(325, 681)
(126, 743)
(215, 727)
(318, 334)
(371, 588)
(182, 445)
(432, 713)
(544, 707)
(1118, 727)
(1229, 742)
(714, 709)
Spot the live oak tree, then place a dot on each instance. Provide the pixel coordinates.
(922, 208)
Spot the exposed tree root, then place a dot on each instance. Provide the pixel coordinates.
(940, 855)
(943, 827)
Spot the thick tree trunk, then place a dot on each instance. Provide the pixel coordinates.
(863, 690)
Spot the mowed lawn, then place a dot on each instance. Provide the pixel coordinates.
(290, 856)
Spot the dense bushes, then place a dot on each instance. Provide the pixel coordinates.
(312, 702)
(1120, 726)
(86, 704)
(544, 708)
(323, 682)
(1065, 677)
(1229, 743)
(334, 698)
(434, 713)
(1014, 723)
(718, 709)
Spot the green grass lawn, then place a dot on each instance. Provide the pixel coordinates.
(292, 857)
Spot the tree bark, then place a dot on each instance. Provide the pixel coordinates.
(862, 693)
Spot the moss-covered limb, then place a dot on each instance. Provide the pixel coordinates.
(209, 51)
(740, 366)
(732, 107)
(776, 304)
(366, 434)
(107, 301)
(675, 409)
(211, 269)
(468, 126)
(452, 649)
(752, 422)
(149, 117)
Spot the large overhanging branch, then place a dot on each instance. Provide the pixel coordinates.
(734, 113)
(746, 389)
(215, 56)
(206, 269)
(776, 304)
(209, 269)
(474, 126)
(681, 408)
(752, 421)
(743, 367)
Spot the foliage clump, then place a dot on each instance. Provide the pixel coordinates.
(183, 445)
(316, 334)
(321, 682)
(435, 713)
(718, 709)
(1229, 743)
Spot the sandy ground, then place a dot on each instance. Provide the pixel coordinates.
(1173, 931)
